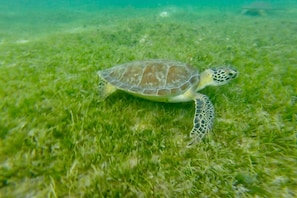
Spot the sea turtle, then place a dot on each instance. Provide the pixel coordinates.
(168, 81)
(258, 8)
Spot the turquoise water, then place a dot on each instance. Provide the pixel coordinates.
(117, 3)
(24, 16)
(93, 4)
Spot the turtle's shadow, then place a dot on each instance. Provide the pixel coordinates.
(153, 111)
(148, 104)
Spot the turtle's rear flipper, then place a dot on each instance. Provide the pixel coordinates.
(203, 118)
(105, 89)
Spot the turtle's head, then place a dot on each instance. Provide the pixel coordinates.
(217, 76)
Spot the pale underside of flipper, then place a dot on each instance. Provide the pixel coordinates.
(203, 118)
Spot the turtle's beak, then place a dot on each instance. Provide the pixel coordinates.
(232, 73)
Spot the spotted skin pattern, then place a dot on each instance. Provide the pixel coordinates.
(223, 76)
(203, 118)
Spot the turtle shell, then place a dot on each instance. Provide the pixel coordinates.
(152, 77)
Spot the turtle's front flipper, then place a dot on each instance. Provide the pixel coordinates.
(203, 118)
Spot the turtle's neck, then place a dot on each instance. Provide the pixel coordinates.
(205, 79)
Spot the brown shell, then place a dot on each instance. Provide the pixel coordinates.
(152, 77)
